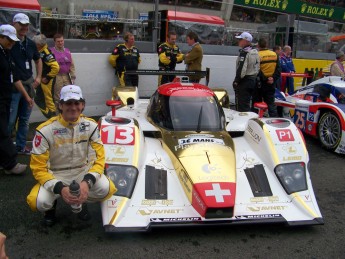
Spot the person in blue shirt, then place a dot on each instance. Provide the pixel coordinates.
(22, 53)
(287, 66)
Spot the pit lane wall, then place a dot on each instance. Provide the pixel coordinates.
(96, 77)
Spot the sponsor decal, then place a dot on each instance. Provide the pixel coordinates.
(157, 202)
(192, 146)
(254, 135)
(264, 216)
(183, 177)
(311, 116)
(112, 203)
(208, 169)
(84, 126)
(123, 135)
(263, 199)
(147, 212)
(265, 208)
(61, 131)
(37, 140)
(290, 158)
(290, 149)
(285, 135)
(175, 219)
(195, 140)
(116, 160)
(118, 150)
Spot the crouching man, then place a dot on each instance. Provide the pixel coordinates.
(60, 155)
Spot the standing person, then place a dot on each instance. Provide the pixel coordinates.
(337, 67)
(169, 54)
(8, 77)
(23, 52)
(269, 75)
(66, 75)
(126, 57)
(45, 91)
(277, 49)
(194, 57)
(60, 155)
(247, 70)
(287, 67)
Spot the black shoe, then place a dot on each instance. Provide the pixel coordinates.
(84, 214)
(49, 218)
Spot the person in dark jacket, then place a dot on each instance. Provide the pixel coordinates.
(126, 57)
(269, 75)
(287, 67)
(168, 54)
(8, 77)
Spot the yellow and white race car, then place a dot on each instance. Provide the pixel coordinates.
(180, 158)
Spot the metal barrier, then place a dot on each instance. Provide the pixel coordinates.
(205, 73)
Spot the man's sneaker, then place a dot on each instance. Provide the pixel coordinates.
(49, 218)
(24, 151)
(18, 169)
(84, 214)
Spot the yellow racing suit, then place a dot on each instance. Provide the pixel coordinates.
(44, 92)
(60, 154)
(125, 59)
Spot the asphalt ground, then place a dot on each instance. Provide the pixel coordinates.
(71, 238)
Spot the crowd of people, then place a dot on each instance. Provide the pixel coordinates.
(53, 89)
(61, 146)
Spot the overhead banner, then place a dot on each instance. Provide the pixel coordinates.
(317, 11)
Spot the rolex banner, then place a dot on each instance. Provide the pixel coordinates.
(297, 7)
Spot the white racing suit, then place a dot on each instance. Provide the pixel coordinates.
(60, 155)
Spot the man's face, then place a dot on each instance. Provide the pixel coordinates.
(242, 43)
(59, 43)
(71, 110)
(6, 42)
(22, 29)
(172, 39)
(288, 51)
(130, 41)
(190, 41)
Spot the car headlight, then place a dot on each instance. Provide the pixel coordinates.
(124, 177)
(292, 176)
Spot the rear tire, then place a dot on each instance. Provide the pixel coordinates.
(329, 131)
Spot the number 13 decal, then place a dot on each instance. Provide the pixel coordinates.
(117, 135)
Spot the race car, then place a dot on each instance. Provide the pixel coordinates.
(318, 110)
(180, 159)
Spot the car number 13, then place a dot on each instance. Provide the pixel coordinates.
(117, 135)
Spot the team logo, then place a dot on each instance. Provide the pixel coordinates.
(37, 140)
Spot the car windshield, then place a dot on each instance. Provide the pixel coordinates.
(184, 113)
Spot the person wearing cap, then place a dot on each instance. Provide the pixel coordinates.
(8, 78)
(60, 155)
(22, 53)
(193, 58)
(45, 91)
(247, 70)
(337, 67)
(287, 66)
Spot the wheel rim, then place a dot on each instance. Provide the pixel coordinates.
(329, 131)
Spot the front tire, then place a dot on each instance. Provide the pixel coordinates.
(329, 131)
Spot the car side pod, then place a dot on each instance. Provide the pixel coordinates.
(261, 107)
